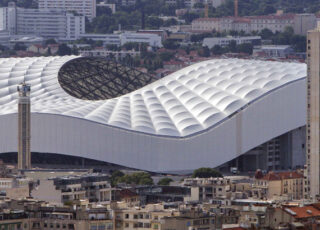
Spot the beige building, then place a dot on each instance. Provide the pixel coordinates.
(301, 23)
(312, 184)
(205, 189)
(285, 184)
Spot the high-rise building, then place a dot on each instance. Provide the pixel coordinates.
(24, 122)
(47, 23)
(84, 7)
(312, 182)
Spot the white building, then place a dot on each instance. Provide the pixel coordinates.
(4, 38)
(225, 41)
(84, 7)
(45, 23)
(153, 40)
(127, 2)
(203, 115)
(276, 51)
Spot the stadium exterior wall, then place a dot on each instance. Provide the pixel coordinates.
(270, 116)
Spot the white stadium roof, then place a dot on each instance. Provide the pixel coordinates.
(191, 102)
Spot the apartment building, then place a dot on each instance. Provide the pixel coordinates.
(83, 7)
(276, 184)
(92, 187)
(152, 40)
(301, 23)
(47, 23)
(225, 41)
(205, 189)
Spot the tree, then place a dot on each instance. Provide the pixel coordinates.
(206, 173)
(64, 50)
(266, 34)
(165, 181)
(204, 52)
(170, 44)
(217, 50)
(138, 178)
(50, 41)
(233, 46)
(166, 56)
(19, 46)
(245, 48)
(115, 177)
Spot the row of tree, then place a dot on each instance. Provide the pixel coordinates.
(144, 178)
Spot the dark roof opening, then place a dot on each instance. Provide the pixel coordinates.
(99, 79)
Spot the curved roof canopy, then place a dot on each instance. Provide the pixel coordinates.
(184, 103)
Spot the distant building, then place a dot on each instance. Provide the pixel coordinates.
(225, 41)
(286, 184)
(118, 55)
(301, 23)
(93, 187)
(4, 38)
(205, 189)
(276, 51)
(47, 23)
(153, 40)
(312, 188)
(127, 2)
(111, 6)
(83, 7)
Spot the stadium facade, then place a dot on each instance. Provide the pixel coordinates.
(204, 115)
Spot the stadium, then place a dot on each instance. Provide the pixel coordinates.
(204, 115)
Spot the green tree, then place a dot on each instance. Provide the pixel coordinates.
(115, 177)
(217, 50)
(166, 56)
(64, 50)
(266, 34)
(245, 48)
(138, 178)
(165, 181)
(50, 41)
(206, 173)
(170, 44)
(233, 46)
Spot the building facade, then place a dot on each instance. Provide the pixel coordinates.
(301, 23)
(312, 184)
(47, 23)
(84, 7)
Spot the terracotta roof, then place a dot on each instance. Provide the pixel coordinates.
(282, 176)
(124, 193)
(303, 212)
(274, 16)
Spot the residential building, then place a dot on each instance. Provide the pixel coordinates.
(127, 2)
(276, 51)
(205, 189)
(4, 38)
(285, 184)
(47, 23)
(83, 7)
(111, 6)
(312, 183)
(151, 39)
(118, 55)
(93, 187)
(15, 187)
(301, 23)
(225, 41)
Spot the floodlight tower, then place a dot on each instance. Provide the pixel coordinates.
(24, 154)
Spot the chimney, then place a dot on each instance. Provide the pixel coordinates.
(236, 13)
